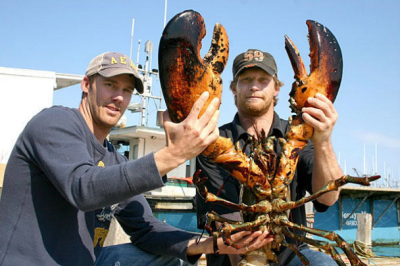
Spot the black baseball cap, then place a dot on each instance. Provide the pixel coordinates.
(111, 64)
(254, 58)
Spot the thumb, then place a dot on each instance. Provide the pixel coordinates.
(166, 117)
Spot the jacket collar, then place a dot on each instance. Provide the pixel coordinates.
(278, 128)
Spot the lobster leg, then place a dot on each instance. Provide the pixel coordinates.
(303, 259)
(319, 244)
(260, 207)
(354, 260)
(227, 229)
(332, 185)
(229, 226)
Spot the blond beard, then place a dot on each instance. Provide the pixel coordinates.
(250, 109)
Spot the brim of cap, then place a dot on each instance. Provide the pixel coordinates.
(269, 70)
(110, 72)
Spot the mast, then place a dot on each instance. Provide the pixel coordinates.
(365, 171)
(146, 74)
(376, 157)
(133, 26)
(165, 13)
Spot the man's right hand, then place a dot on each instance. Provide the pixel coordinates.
(187, 139)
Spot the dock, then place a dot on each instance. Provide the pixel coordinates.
(373, 261)
(379, 260)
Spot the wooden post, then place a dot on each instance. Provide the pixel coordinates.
(309, 213)
(364, 221)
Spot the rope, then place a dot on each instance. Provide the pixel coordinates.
(363, 249)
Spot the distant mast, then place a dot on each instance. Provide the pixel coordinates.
(165, 13)
(146, 73)
(376, 157)
(133, 26)
(365, 171)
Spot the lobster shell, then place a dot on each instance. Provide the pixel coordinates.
(184, 74)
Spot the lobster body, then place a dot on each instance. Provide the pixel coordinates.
(266, 176)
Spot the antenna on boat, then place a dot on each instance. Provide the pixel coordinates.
(146, 72)
(376, 157)
(165, 13)
(365, 167)
(133, 26)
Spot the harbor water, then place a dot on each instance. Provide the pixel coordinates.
(387, 250)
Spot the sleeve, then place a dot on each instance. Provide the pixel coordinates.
(220, 183)
(57, 143)
(304, 172)
(150, 234)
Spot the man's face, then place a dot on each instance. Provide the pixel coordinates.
(255, 91)
(108, 99)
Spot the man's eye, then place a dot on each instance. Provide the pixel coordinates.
(130, 91)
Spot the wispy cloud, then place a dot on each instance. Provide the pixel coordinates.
(381, 139)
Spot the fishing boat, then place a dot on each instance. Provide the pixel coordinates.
(381, 203)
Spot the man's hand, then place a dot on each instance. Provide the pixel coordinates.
(322, 116)
(190, 137)
(246, 240)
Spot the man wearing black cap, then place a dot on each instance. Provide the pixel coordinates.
(64, 181)
(255, 87)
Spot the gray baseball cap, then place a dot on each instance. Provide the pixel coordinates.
(254, 58)
(111, 64)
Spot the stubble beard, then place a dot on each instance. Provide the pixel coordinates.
(252, 109)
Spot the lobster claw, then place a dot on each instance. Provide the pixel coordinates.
(184, 75)
(326, 67)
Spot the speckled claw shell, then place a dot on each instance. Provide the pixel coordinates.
(326, 67)
(184, 75)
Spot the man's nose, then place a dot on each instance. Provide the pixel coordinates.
(118, 96)
(254, 86)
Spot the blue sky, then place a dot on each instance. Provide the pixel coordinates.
(63, 36)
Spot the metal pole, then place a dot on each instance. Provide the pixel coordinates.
(364, 172)
(133, 26)
(144, 110)
(383, 213)
(165, 13)
(358, 205)
(138, 50)
(376, 157)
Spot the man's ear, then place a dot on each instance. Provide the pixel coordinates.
(277, 90)
(85, 84)
(233, 89)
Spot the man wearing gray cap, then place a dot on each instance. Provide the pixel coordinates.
(255, 87)
(64, 180)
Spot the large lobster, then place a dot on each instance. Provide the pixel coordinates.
(185, 76)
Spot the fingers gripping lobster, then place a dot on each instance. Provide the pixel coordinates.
(185, 76)
(325, 76)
